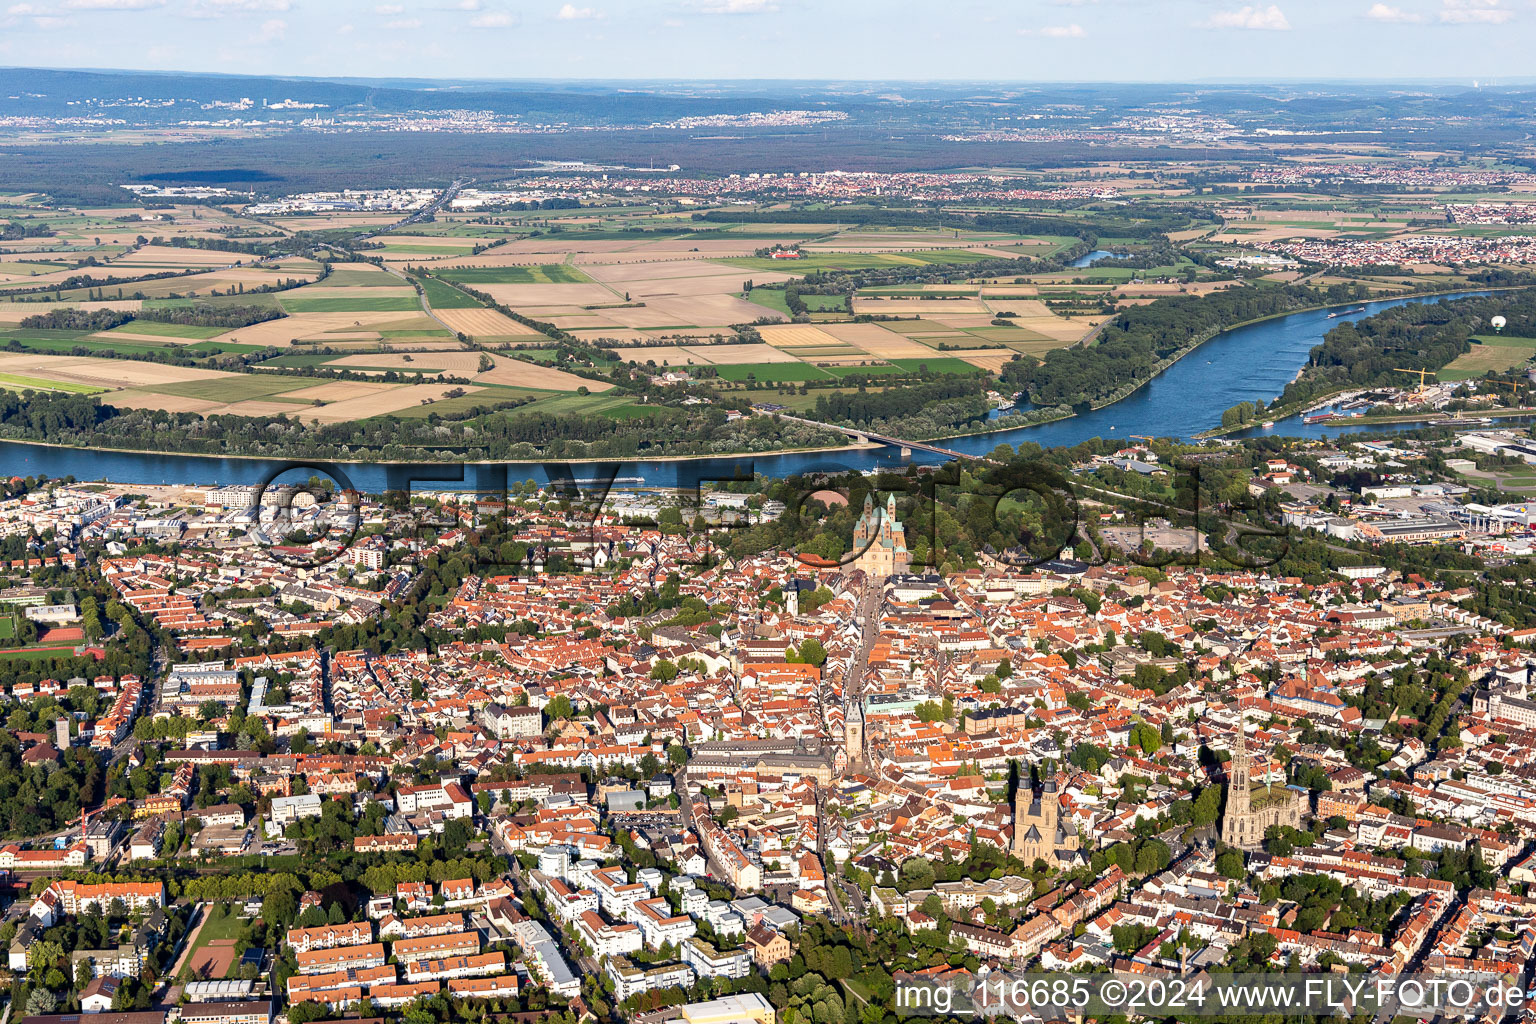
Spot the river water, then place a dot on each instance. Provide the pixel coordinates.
(1252, 363)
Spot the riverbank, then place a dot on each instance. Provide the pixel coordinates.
(1318, 401)
(1248, 364)
(355, 457)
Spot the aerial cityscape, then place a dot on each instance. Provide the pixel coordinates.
(722, 512)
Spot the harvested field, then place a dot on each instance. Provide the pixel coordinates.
(398, 397)
(479, 323)
(964, 320)
(136, 398)
(878, 341)
(14, 312)
(732, 355)
(312, 327)
(341, 390)
(173, 256)
(918, 307)
(103, 373)
(265, 407)
(519, 374)
(709, 310)
(457, 363)
(796, 336)
(623, 334)
(992, 359)
(549, 294)
(672, 355)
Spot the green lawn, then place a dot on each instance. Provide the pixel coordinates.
(162, 330)
(7, 626)
(345, 304)
(547, 273)
(442, 295)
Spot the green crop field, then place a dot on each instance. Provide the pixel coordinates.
(941, 365)
(1491, 353)
(773, 372)
(67, 346)
(17, 382)
(160, 330)
(234, 388)
(768, 298)
(347, 304)
(266, 300)
(547, 273)
(362, 279)
(213, 348)
(860, 260)
(442, 295)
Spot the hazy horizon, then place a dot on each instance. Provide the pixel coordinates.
(1044, 41)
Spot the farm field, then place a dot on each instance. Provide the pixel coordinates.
(545, 273)
(824, 260)
(1491, 353)
(442, 295)
(299, 303)
(154, 329)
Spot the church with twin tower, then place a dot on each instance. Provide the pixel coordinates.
(880, 541)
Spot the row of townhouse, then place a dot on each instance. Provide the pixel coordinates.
(436, 947)
(330, 936)
(456, 967)
(392, 927)
(303, 987)
(325, 961)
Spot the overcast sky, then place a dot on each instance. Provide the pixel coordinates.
(1025, 40)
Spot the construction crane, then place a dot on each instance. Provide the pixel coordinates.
(1142, 437)
(1422, 375)
(1513, 385)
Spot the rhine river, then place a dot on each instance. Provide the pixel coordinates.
(1252, 363)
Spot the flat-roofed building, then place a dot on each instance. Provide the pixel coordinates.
(253, 1011)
